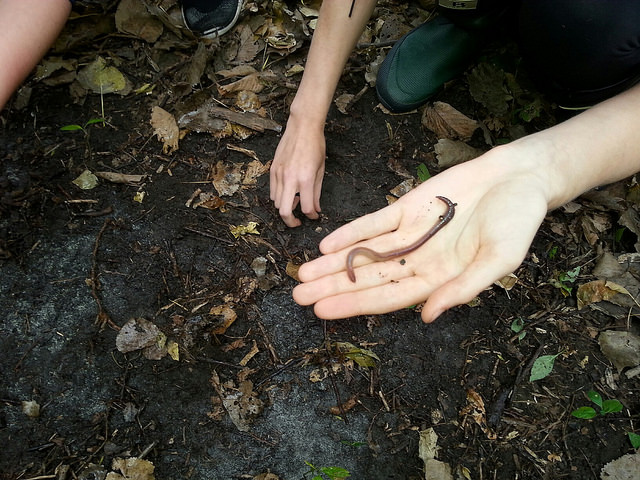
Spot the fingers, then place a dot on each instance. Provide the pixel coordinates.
(363, 228)
(377, 300)
(466, 286)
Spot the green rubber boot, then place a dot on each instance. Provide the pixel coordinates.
(425, 58)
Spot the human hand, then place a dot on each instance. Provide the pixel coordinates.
(298, 167)
(500, 205)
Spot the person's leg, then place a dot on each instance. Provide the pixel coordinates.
(435, 52)
(28, 28)
(211, 18)
(581, 51)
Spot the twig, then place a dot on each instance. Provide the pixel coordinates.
(100, 213)
(332, 376)
(103, 317)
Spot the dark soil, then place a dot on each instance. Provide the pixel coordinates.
(68, 266)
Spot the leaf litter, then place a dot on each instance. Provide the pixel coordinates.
(277, 31)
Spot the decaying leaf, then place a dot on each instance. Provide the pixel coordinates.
(404, 187)
(251, 227)
(343, 102)
(266, 476)
(31, 408)
(452, 152)
(507, 282)
(100, 78)
(623, 468)
(116, 177)
(292, 270)
(621, 348)
(252, 353)
(137, 334)
(131, 469)
(228, 317)
(254, 170)
(486, 85)
(362, 356)
(475, 409)
(133, 18)
(86, 180)
(597, 291)
(447, 122)
(427, 451)
(52, 65)
(226, 178)
(241, 403)
(166, 129)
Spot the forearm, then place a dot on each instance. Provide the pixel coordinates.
(597, 147)
(27, 30)
(333, 40)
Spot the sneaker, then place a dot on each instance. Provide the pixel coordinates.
(424, 59)
(211, 18)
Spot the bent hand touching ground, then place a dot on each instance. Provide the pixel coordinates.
(298, 167)
(501, 198)
(298, 163)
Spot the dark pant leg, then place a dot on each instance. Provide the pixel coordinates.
(581, 51)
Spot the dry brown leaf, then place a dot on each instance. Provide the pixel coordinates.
(621, 348)
(404, 187)
(116, 177)
(166, 129)
(228, 317)
(254, 170)
(137, 334)
(132, 469)
(292, 270)
(447, 122)
(596, 291)
(252, 353)
(226, 179)
(133, 18)
(475, 409)
(451, 152)
(239, 71)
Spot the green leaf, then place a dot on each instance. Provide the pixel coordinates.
(335, 472)
(634, 438)
(94, 120)
(71, 128)
(423, 173)
(317, 477)
(352, 444)
(517, 325)
(584, 412)
(611, 406)
(542, 367)
(595, 397)
(618, 234)
(553, 252)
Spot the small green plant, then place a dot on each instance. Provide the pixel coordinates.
(75, 127)
(322, 473)
(553, 251)
(517, 326)
(634, 438)
(423, 173)
(562, 280)
(605, 406)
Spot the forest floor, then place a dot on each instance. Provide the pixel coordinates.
(146, 277)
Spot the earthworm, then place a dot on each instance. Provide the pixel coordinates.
(377, 256)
